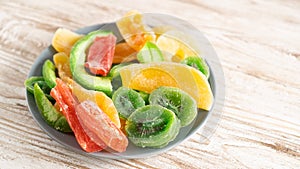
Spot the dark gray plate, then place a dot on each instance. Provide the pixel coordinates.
(69, 141)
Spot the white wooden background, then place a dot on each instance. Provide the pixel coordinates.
(258, 43)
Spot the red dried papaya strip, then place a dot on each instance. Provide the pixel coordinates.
(64, 98)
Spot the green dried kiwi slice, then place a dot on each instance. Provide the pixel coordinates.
(115, 70)
(150, 53)
(145, 96)
(127, 101)
(29, 84)
(197, 63)
(176, 100)
(152, 126)
(114, 73)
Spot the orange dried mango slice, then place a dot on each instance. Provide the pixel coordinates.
(134, 31)
(147, 77)
(123, 53)
(150, 79)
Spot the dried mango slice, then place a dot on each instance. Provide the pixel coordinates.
(149, 76)
(134, 31)
(64, 39)
(123, 53)
(174, 50)
(62, 63)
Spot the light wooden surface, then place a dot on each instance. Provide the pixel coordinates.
(258, 43)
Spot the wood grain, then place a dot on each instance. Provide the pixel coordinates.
(258, 44)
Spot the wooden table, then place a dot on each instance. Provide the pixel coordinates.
(258, 44)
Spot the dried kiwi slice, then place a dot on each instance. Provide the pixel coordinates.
(145, 96)
(127, 101)
(197, 63)
(152, 126)
(150, 53)
(115, 70)
(176, 100)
